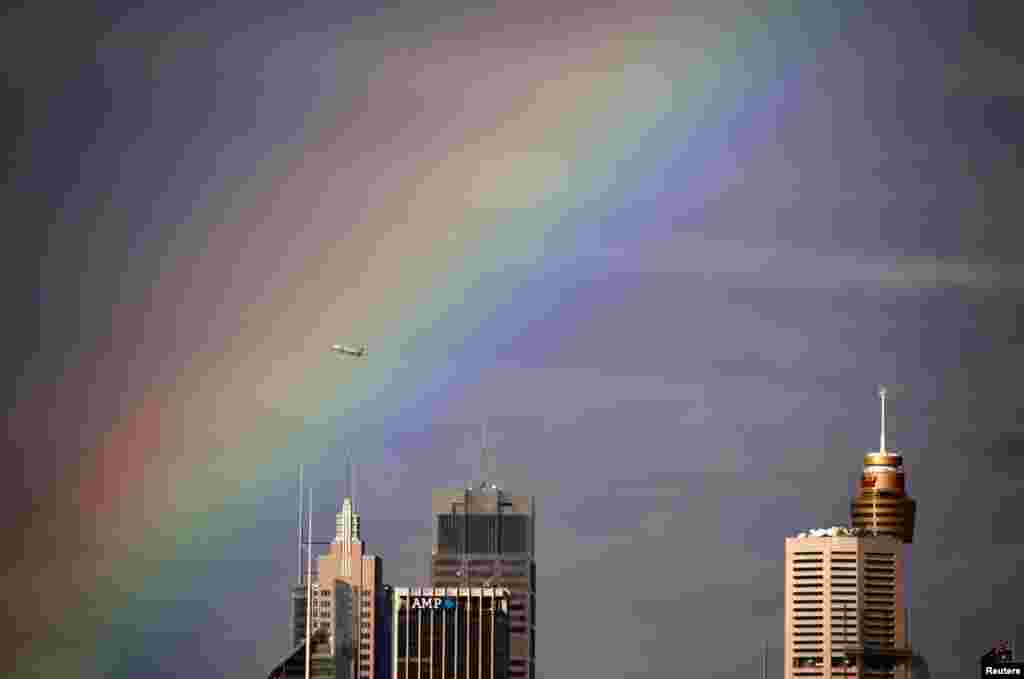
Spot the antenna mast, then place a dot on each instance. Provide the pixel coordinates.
(881, 394)
(483, 454)
(347, 489)
(300, 524)
(309, 584)
(351, 474)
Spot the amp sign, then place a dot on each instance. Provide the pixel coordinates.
(432, 602)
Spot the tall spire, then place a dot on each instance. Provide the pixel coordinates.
(881, 394)
(483, 452)
(350, 482)
(347, 520)
(487, 461)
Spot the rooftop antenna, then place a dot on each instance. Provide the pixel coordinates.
(487, 462)
(300, 524)
(350, 473)
(483, 454)
(881, 394)
(309, 585)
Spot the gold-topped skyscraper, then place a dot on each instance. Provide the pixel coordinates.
(882, 505)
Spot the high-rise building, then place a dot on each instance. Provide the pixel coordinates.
(484, 538)
(298, 615)
(350, 579)
(882, 505)
(321, 662)
(844, 606)
(450, 633)
(331, 613)
(382, 641)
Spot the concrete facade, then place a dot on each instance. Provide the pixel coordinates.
(351, 578)
(844, 608)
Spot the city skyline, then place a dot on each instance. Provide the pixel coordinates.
(484, 538)
(667, 251)
(851, 566)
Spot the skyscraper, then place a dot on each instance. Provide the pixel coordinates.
(882, 505)
(844, 606)
(351, 578)
(485, 538)
(382, 641)
(330, 612)
(450, 633)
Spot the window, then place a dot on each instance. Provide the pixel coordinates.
(809, 661)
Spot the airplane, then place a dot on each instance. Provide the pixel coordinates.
(346, 350)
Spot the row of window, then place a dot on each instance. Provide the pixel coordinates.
(836, 622)
(815, 640)
(505, 561)
(819, 569)
(819, 661)
(504, 569)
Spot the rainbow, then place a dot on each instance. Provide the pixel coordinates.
(425, 236)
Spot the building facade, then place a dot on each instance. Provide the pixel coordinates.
(331, 621)
(844, 610)
(382, 639)
(450, 633)
(321, 662)
(349, 579)
(484, 538)
(328, 603)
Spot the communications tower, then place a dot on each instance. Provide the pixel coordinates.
(882, 506)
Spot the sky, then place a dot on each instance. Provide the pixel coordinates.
(666, 251)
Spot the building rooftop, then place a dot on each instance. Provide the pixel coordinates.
(839, 532)
(451, 591)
